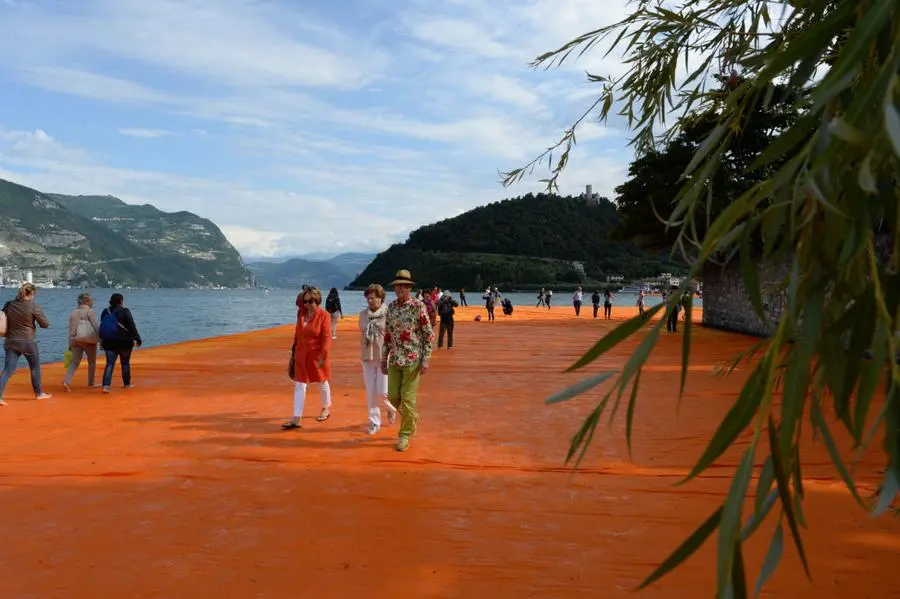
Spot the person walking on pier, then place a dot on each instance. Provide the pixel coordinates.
(462, 297)
(372, 326)
(607, 304)
(333, 307)
(672, 316)
(595, 301)
(22, 314)
(408, 344)
(577, 300)
(84, 334)
(310, 361)
(118, 336)
(490, 302)
(445, 310)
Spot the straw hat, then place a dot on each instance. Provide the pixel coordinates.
(403, 278)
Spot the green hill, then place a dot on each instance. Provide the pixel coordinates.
(522, 242)
(101, 241)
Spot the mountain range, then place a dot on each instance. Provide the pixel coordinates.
(326, 272)
(100, 241)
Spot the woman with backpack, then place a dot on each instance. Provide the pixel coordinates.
(21, 315)
(333, 307)
(84, 333)
(118, 336)
(446, 308)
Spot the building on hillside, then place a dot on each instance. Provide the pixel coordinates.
(589, 196)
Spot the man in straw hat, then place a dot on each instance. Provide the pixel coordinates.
(408, 343)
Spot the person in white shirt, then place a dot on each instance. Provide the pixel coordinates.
(577, 300)
(372, 321)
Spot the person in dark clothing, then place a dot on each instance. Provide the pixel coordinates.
(507, 306)
(490, 302)
(607, 304)
(462, 297)
(595, 301)
(22, 314)
(672, 319)
(333, 307)
(445, 310)
(120, 344)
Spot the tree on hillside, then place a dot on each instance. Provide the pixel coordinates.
(648, 197)
(520, 241)
(825, 201)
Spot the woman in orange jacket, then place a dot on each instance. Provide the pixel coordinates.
(309, 355)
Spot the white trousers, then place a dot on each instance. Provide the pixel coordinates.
(300, 396)
(376, 390)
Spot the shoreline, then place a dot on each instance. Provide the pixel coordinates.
(191, 473)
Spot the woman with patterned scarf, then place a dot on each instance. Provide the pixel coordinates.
(371, 326)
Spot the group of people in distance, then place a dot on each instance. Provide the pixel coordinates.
(396, 343)
(115, 331)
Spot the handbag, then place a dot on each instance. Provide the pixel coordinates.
(84, 332)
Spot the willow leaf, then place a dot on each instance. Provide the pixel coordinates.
(784, 492)
(772, 559)
(615, 337)
(580, 387)
(821, 427)
(735, 421)
(686, 549)
(729, 526)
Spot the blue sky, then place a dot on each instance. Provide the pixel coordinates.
(297, 126)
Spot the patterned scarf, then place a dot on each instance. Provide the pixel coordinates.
(373, 319)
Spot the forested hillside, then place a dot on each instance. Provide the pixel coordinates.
(524, 241)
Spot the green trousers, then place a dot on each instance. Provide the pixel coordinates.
(403, 383)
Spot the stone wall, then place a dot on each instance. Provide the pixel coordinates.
(726, 304)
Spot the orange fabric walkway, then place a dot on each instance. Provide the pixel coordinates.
(186, 487)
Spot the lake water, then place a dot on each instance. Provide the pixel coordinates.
(171, 315)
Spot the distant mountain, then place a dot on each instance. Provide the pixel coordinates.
(528, 241)
(101, 241)
(352, 262)
(295, 272)
(175, 234)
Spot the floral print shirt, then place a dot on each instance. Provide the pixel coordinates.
(408, 335)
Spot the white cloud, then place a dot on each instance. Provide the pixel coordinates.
(147, 133)
(368, 119)
(90, 85)
(243, 42)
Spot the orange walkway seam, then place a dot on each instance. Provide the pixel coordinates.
(186, 487)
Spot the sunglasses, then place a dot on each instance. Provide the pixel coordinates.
(309, 301)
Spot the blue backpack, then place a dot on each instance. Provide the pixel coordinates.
(109, 325)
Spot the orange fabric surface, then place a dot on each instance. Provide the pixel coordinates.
(186, 487)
